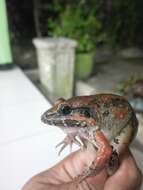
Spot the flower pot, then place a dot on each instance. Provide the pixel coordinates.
(84, 65)
(56, 65)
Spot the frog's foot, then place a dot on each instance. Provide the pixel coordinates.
(113, 163)
(68, 140)
(88, 172)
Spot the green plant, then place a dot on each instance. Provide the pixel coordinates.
(73, 21)
(91, 22)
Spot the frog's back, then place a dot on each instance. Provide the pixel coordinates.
(114, 113)
(111, 112)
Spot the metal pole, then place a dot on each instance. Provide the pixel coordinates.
(5, 50)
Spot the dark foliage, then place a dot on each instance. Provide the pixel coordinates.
(121, 21)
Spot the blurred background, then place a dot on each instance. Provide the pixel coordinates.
(62, 48)
(91, 40)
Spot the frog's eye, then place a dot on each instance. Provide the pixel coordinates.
(65, 110)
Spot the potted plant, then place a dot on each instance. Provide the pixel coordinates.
(56, 55)
(73, 21)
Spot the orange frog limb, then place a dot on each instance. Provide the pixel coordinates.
(104, 153)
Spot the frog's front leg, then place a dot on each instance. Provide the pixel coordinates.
(103, 156)
(68, 140)
(120, 144)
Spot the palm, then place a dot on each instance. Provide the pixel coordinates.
(61, 176)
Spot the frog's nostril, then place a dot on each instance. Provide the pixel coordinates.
(46, 118)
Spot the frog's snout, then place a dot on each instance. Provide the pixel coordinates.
(51, 118)
(45, 118)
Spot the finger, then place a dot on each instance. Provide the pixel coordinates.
(66, 170)
(128, 175)
(99, 180)
(75, 164)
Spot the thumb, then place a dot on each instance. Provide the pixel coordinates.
(77, 162)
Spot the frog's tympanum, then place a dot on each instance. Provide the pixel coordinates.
(105, 122)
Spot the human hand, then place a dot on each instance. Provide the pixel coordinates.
(60, 177)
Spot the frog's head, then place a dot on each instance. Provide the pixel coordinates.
(77, 112)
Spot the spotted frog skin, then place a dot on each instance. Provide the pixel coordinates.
(105, 122)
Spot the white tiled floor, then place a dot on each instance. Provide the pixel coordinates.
(26, 145)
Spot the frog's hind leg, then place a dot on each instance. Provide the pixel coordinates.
(122, 141)
(119, 144)
(113, 163)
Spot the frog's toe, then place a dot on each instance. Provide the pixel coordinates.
(61, 149)
(69, 140)
(113, 163)
(64, 144)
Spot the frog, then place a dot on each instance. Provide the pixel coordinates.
(105, 123)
